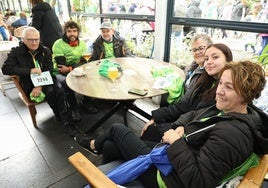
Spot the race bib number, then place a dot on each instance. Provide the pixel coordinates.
(42, 79)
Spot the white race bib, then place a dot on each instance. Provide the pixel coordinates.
(41, 79)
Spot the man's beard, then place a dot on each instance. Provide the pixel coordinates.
(72, 38)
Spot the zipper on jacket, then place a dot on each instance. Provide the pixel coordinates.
(198, 131)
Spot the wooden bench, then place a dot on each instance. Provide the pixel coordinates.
(26, 100)
(90, 172)
(253, 178)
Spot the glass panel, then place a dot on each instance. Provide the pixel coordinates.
(138, 35)
(131, 7)
(241, 10)
(179, 47)
(86, 6)
(62, 10)
(180, 8)
(244, 45)
(88, 33)
(92, 6)
(14, 6)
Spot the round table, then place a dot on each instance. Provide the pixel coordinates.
(136, 74)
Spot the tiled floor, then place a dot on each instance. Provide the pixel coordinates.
(38, 158)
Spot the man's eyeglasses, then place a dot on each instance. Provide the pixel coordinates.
(199, 49)
(33, 40)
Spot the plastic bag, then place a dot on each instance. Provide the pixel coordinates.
(38, 99)
(105, 65)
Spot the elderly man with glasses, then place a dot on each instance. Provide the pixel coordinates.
(30, 60)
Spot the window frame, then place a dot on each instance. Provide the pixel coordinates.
(200, 22)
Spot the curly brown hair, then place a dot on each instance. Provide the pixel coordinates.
(71, 24)
(248, 79)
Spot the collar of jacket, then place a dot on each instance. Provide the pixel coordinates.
(256, 120)
(40, 49)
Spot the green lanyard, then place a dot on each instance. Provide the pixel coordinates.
(206, 118)
(35, 61)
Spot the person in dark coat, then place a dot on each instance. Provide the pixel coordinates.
(207, 144)
(29, 58)
(109, 44)
(46, 21)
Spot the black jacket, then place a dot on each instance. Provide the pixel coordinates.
(202, 159)
(189, 101)
(20, 62)
(192, 75)
(46, 21)
(120, 48)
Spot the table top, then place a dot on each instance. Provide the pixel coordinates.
(5, 46)
(136, 74)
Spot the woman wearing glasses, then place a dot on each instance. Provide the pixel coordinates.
(199, 42)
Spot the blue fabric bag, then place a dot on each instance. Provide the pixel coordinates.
(131, 170)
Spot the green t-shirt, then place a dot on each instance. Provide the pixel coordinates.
(109, 49)
(71, 53)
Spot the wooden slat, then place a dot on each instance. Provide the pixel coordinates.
(90, 172)
(255, 176)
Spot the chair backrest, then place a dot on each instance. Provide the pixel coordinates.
(22, 94)
(255, 176)
(26, 99)
(18, 31)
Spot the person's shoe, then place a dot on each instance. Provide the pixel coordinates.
(90, 109)
(70, 129)
(84, 142)
(76, 115)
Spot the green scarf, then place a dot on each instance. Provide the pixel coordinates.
(252, 161)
